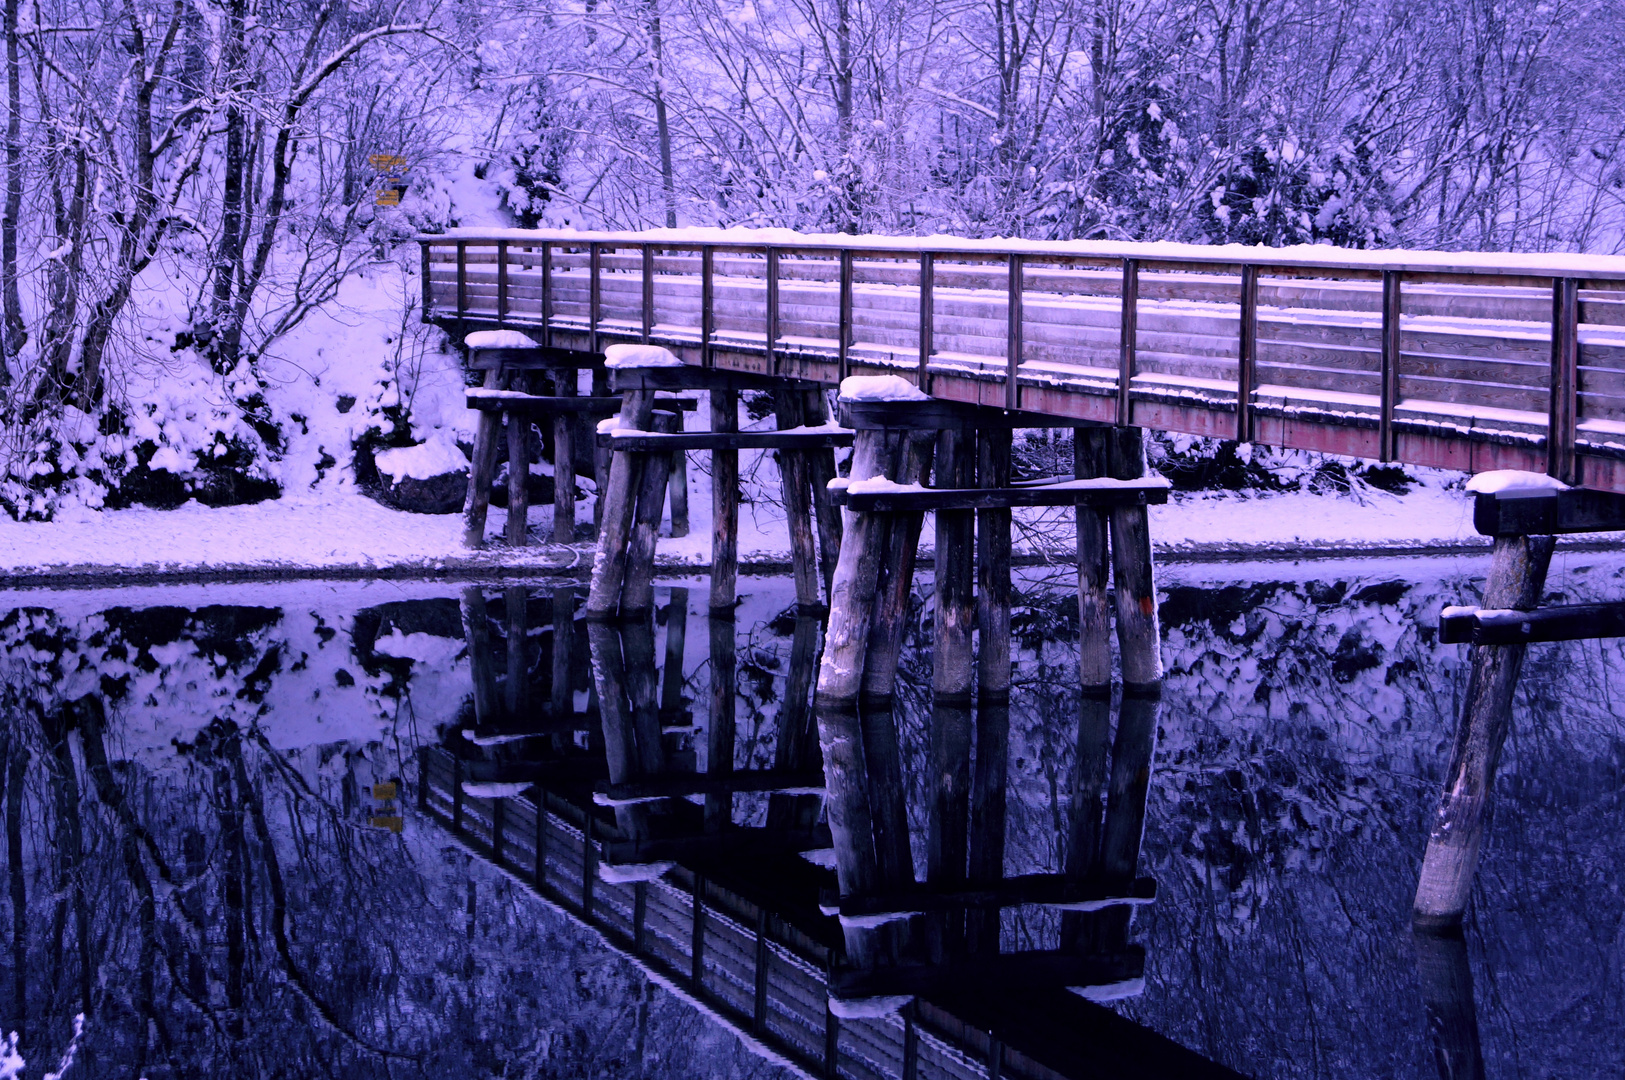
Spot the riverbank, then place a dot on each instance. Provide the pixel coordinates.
(343, 534)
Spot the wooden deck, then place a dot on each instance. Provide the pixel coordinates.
(1409, 357)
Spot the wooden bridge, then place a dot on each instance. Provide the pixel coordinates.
(1458, 361)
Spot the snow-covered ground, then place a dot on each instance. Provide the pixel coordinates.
(344, 532)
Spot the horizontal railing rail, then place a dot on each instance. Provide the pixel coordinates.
(1467, 361)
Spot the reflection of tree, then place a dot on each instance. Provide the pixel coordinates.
(218, 906)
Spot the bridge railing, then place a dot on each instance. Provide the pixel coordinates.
(1456, 361)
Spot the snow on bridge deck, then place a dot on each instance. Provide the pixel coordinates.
(1470, 361)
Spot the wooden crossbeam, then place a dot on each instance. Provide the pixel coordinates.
(672, 786)
(533, 358)
(989, 972)
(941, 415)
(1578, 510)
(727, 440)
(738, 843)
(1049, 890)
(514, 401)
(573, 772)
(1573, 622)
(900, 499)
(690, 377)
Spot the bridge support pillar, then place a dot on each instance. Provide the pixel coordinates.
(1517, 578)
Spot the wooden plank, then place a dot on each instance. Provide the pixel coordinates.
(1150, 493)
(1047, 890)
(691, 377)
(1579, 510)
(679, 785)
(487, 401)
(939, 414)
(991, 973)
(1572, 622)
(714, 440)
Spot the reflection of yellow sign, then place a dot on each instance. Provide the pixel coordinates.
(393, 823)
(391, 170)
(384, 792)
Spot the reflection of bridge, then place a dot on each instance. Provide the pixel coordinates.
(1459, 361)
(728, 916)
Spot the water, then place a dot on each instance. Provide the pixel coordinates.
(214, 869)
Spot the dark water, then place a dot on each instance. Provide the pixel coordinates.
(205, 857)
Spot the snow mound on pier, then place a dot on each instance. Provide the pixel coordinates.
(1513, 483)
(880, 388)
(640, 356)
(499, 339)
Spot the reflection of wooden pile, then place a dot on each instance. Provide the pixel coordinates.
(904, 938)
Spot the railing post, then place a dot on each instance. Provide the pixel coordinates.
(499, 812)
(595, 263)
(547, 293)
(456, 795)
(707, 302)
(588, 868)
(844, 319)
(640, 917)
(696, 947)
(462, 277)
(502, 282)
(1247, 354)
(1012, 349)
(1126, 342)
(772, 327)
(1563, 420)
(928, 316)
(1390, 364)
(759, 1012)
(541, 839)
(428, 286)
(648, 293)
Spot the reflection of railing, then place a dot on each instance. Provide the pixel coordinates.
(764, 970)
(760, 971)
(1425, 358)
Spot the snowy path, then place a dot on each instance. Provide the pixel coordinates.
(346, 534)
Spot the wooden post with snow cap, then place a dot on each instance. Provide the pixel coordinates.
(909, 460)
(1517, 578)
(798, 510)
(993, 671)
(952, 679)
(517, 533)
(637, 587)
(564, 462)
(724, 503)
(821, 470)
(1133, 574)
(840, 674)
(625, 482)
(476, 505)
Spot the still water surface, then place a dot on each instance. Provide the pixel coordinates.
(249, 832)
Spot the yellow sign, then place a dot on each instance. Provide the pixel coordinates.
(391, 170)
(391, 822)
(384, 792)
